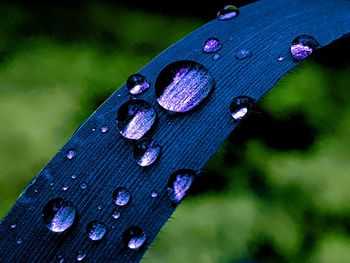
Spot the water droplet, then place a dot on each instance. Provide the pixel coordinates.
(116, 215)
(19, 241)
(65, 187)
(36, 190)
(60, 259)
(59, 215)
(83, 185)
(303, 46)
(104, 129)
(81, 255)
(93, 129)
(137, 84)
(216, 57)
(183, 85)
(280, 58)
(99, 207)
(121, 196)
(71, 154)
(240, 106)
(212, 45)
(13, 226)
(228, 12)
(74, 176)
(135, 118)
(51, 184)
(243, 54)
(146, 152)
(134, 237)
(154, 194)
(179, 183)
(96, 230)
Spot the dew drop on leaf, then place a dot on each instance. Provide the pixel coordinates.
(135, 118)
(71, 154)
(179, 183)
(121, 196)
(137, 84)
(146, 152)
(104, 129)
(183, 85)
(154, 194)
(81, 255)
(240, 106)
(212, 45)
(303, 46)
(228, 12)
(243, 54)
(134, 237)
(96, 230)
(59, 215)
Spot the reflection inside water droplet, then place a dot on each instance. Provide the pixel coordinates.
(134, 237)
(146, 152)
(183, 85)
(212, 45)
(137, 84)
(243, 54)
(228, 12)
(59, 215)
(135, 118)
(71, 154)
(240, 106)
(303, 46)
(81, 255)
(121, 196)
(96, 230)
(179, 183)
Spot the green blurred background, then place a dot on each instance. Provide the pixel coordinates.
(277, 191)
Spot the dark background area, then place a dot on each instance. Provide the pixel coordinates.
(277, 191)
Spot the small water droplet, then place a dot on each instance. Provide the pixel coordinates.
(51, 184)
(243, 54)
(146, 152)
(135, 118)
(99, 207)
(179, 183)
(121, 196)
(212, 45)
(240, 106)
(96, 230)
(104, 129)
(71, 154)
(303, 46)
(65, 187)
(83, 185)
(36, 190)
(134, 237)
(216, 57)
(154, 194)
(59, 215)
(280, 58)
(116, 215)
(13, 226)
(19, 241)
(137, 84)
(74, 176)
(93, 129)
(81, 255)
(228, 12)
(183, 85)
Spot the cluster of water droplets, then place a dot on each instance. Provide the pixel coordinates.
(179, 88)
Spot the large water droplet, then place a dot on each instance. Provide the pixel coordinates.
(96, 230)
(240, 106)
(71, 154)
(179, 183)
(121, 196)
(303, 46)
(228, 12)
(137, 84)
(212, 45)
(134, 237)
(146, 152)
(59, 215)
(243, 54)
(81, 255)
(135, 118)
(183, 85)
